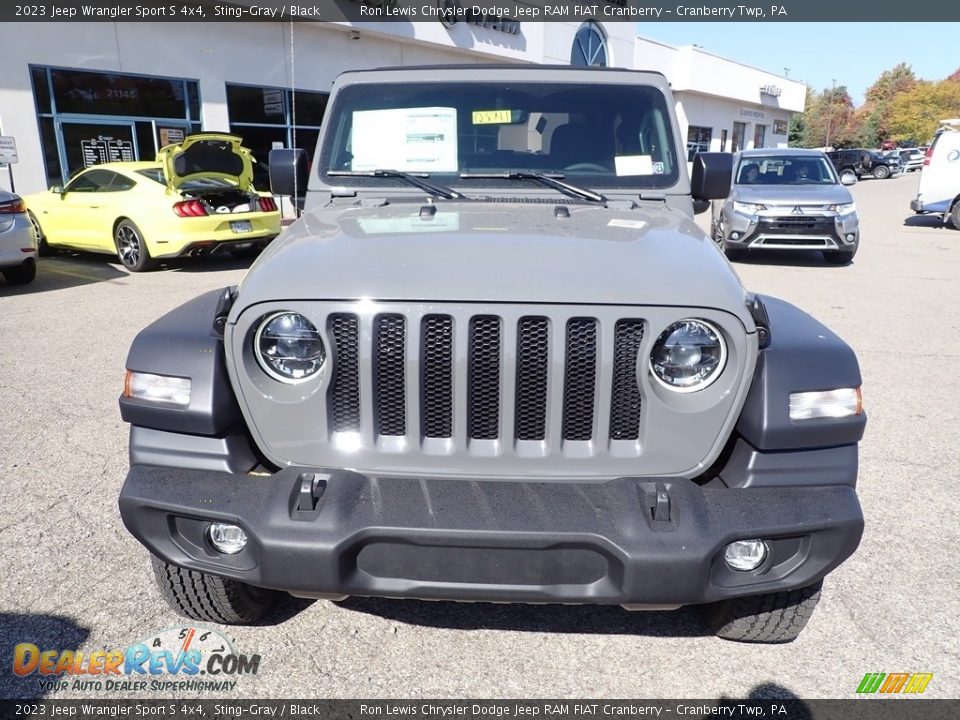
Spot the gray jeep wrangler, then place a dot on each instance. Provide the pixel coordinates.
(496, 360)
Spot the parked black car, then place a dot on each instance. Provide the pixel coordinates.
(864, 162)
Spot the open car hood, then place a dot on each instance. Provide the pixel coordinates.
(207, 155)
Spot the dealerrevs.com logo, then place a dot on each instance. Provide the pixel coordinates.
(186, 658)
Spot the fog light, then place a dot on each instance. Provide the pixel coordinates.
(735, 236)
(227, 538)
(849, 237)
(744, 555)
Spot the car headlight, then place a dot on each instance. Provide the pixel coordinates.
(748, 208)
(688, 356)
(288, 347)
(843, 208)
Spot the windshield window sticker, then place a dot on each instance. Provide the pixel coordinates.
(633, 165)
(659, 168)
(406, 139)
(492, 117)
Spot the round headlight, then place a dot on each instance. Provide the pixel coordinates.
(688, 356)
(288, 347)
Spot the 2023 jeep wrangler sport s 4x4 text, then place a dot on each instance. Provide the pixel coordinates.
(496, 360)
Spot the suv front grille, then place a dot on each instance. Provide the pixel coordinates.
(537, 374)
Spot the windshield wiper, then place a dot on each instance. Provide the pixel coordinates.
(551, 180)
(409, 178)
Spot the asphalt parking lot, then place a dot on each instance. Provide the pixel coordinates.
(73, 578)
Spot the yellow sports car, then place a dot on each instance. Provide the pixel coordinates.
(197, 197)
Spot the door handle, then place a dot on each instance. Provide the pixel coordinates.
(94, 207)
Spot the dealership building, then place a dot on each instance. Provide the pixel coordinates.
(77, 94)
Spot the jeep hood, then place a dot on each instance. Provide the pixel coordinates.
(207, 155)
(496, 252)
(792, 194)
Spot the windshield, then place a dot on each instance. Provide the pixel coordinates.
(785, 170)
(598, 135)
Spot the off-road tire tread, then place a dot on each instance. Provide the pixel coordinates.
(202, 596)
(771, 618)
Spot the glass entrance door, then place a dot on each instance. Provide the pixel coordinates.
(85, 143)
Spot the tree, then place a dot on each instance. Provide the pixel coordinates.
(828, 118)
(916, 114)
(955, 77)
(872, 121)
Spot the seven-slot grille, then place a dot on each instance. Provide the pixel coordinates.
(554, 363)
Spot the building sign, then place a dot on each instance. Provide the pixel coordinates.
(105, 149)
(771, 90)
(451, 11)
(272, 102)
(779, 127)
(170, 136)
(752, 114)
(8, 150)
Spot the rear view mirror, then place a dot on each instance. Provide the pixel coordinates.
(848, 178)
(57, 189)
(711, 177)
(288, 173)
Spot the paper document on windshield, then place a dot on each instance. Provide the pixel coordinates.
(408, 139)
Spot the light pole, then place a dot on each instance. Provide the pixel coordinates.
(833, 84)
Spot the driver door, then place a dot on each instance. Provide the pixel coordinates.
(73, 220)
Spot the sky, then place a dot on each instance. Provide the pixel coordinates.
(818, 53)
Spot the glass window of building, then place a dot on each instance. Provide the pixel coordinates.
(739, 132)
(698, 140)
(87, 117)
(589, 47)
(269, 117)
(759, 136)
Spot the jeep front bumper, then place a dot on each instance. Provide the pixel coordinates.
(635, 542)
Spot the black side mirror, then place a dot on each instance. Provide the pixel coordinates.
(288, 173)
(712, 174)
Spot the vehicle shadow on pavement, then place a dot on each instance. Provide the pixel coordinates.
(798, 709)
(60, 273)
(287, 608)
(799, 258)
(47, 632)
(927, 221)
(581, 619)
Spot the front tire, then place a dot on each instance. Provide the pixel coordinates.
(201, 596)
(881, 172)
(21, 274)
(771, 618)
(954, 217)
(131, 247)
(43, 248)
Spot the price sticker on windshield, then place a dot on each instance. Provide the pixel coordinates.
(492, 117)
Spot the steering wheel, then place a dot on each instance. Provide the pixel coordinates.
(587, 167)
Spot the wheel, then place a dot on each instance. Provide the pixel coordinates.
(839, 258)
(131, 247)
(954, 216)
(771, 618)
(43, 249)
(21, 274)
(881, 172)
(717, 235)
(201, 596)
